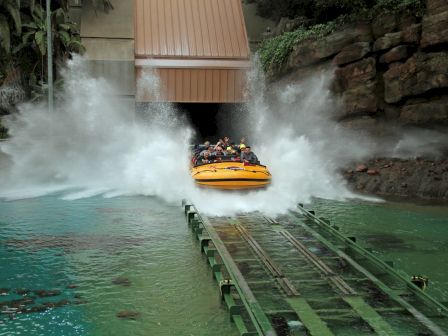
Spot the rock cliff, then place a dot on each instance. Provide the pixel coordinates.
(391, 70)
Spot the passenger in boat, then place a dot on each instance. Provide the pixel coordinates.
(242, 144)
(205, 159)
(219, 152)
(230, 150)
(204, 146)
(223, 142)
(247, 156)
(226, 141)
(208, 150)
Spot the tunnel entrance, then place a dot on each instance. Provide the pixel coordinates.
(211, 121)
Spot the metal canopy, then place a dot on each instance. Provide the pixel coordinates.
(197, 48)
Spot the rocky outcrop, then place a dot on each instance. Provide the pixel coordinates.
(383, 24)
(352, 52)
(382, 66)
(430, 112)
(355, 74)
(311, 51)
(416, 178)
(395, 54)
(361, 99)
(435, 30)
(390, 74)
(418, 75)
(436, 6)
(387, 41)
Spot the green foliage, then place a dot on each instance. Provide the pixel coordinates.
(10, 13)
(104, 5)
(3, 131)
(275, 50)
(322, 11)
(329, 14)
(414, 7)
(64, 34)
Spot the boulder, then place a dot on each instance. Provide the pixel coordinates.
(436, 6)
(411, 34)
(391, 112)
(121, 281)
(22, 291)
(405, 21)
(128, 314)
(360, 99)
(387, 41)
(361, 125)
(384, 24)
(434, 29)
(432, 112)
(395, 54)
(352, 52)
(287, 25)
(313, 51)
(372, 172)
(35, 309)
(355, 74)
(419, 74)
(362, 168)
(45, 293)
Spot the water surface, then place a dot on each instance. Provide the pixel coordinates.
(48, 243)
(413, 237)
(108, 255)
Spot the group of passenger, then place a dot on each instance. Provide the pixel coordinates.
(224, 150)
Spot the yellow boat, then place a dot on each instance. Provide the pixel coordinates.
(231, 175)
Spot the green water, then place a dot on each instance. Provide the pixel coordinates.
(48, 243)
(414, 237)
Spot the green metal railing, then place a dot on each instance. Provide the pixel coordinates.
(298, 275)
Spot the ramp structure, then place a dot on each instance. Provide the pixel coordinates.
(197, 48)
(296, 274)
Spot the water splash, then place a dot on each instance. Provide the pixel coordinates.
(94, 143)
(292, 133)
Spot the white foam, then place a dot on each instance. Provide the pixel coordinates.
(93, 144)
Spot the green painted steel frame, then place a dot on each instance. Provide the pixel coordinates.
(260, 321)
(351, 243)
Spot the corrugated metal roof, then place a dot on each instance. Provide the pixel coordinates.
(196, 86)
(190, 29)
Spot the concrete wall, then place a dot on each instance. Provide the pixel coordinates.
(109, 41)
(256, 26)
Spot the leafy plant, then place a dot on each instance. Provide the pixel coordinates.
(322, 11)
(276, 50)
(9, 11)
(3, 131)
(415, 7)
(104, 5)
(65, 36)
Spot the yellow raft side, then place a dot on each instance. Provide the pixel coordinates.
(231, 175)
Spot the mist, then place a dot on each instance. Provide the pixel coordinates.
(94, 143)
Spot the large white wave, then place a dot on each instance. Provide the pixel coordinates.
(94, 143)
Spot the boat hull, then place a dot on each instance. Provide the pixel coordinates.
(231, 176)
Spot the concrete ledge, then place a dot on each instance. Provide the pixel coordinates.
(109, 49)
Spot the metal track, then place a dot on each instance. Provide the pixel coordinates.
(297, 275)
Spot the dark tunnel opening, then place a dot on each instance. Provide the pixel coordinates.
(209, 121)
(212, 121)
